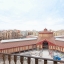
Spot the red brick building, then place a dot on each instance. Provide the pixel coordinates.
(45, 39)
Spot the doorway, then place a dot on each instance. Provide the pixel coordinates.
(45, 45)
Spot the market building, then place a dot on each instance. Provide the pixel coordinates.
(45, 40)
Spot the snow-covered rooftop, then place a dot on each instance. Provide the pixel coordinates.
(12, 40)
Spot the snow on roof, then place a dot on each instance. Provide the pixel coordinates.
(13, 40)
(60, 39)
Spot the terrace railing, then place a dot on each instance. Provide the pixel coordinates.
(25, 59)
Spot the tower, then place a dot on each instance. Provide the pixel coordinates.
(46, 38)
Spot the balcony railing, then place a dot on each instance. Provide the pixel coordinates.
(24, 59)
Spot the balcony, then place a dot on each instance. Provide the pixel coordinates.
(25, 59)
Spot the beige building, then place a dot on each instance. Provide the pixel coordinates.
(58, 33)
(10, 34)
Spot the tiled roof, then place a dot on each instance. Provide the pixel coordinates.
(59, 43)
(17, 43)
(29, 42)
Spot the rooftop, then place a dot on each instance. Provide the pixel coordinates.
(13, 40)
(61, 36)
(59, 39)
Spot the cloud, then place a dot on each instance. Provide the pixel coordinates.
(16, 6)
(31, 14)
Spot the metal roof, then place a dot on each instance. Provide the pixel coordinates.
(59, 39)
(59, 36)
(13, 40)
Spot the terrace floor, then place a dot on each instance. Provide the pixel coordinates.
(43, 53)
(36, 53)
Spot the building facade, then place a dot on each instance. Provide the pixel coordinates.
(45, 40)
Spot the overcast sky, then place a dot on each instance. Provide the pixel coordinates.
(31, 14)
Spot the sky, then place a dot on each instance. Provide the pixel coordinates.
(31, 14)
